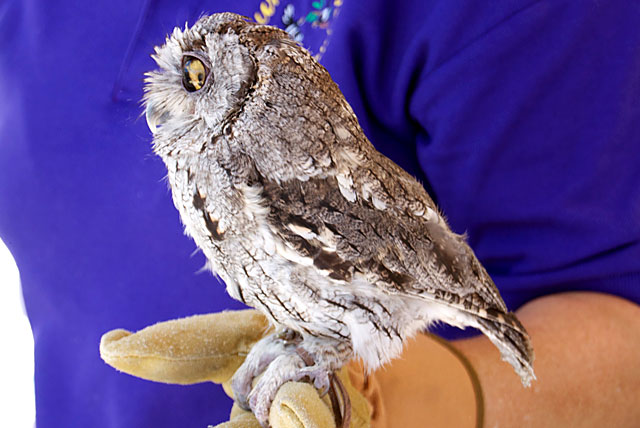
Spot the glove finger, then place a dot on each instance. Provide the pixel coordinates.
(298, 405)
(188, 350)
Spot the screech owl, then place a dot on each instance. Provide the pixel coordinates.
(299, 214)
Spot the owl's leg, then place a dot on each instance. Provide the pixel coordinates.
(312, 359)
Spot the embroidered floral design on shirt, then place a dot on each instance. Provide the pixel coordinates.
(267, 9)
(315, 17)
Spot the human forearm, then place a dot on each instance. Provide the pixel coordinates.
(587, 362)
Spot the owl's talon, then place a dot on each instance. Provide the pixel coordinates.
(241, 392)
(289, 337)
(319, 376)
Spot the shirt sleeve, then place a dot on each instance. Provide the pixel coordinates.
(530, 142)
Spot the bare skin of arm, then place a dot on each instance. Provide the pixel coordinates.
(587, 363)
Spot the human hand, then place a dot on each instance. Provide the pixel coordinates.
(211, 348)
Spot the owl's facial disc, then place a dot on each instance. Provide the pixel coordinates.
(195, 71)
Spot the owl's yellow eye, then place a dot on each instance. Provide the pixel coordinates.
(194, 73)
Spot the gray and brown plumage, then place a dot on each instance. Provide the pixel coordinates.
(299, 214)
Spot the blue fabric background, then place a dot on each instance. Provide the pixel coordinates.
(522, 118)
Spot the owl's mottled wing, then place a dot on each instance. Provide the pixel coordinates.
(398, 252)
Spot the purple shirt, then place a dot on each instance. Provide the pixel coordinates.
(521, 119)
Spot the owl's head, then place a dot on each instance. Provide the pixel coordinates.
(206, 73)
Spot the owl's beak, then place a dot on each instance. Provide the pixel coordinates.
(151, 118)
(155, 118)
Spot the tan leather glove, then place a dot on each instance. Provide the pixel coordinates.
(211, 347)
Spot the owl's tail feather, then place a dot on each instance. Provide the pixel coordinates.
(510, 337)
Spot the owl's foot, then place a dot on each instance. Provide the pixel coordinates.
(283, 369)
(261, 355)
(278, 361)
